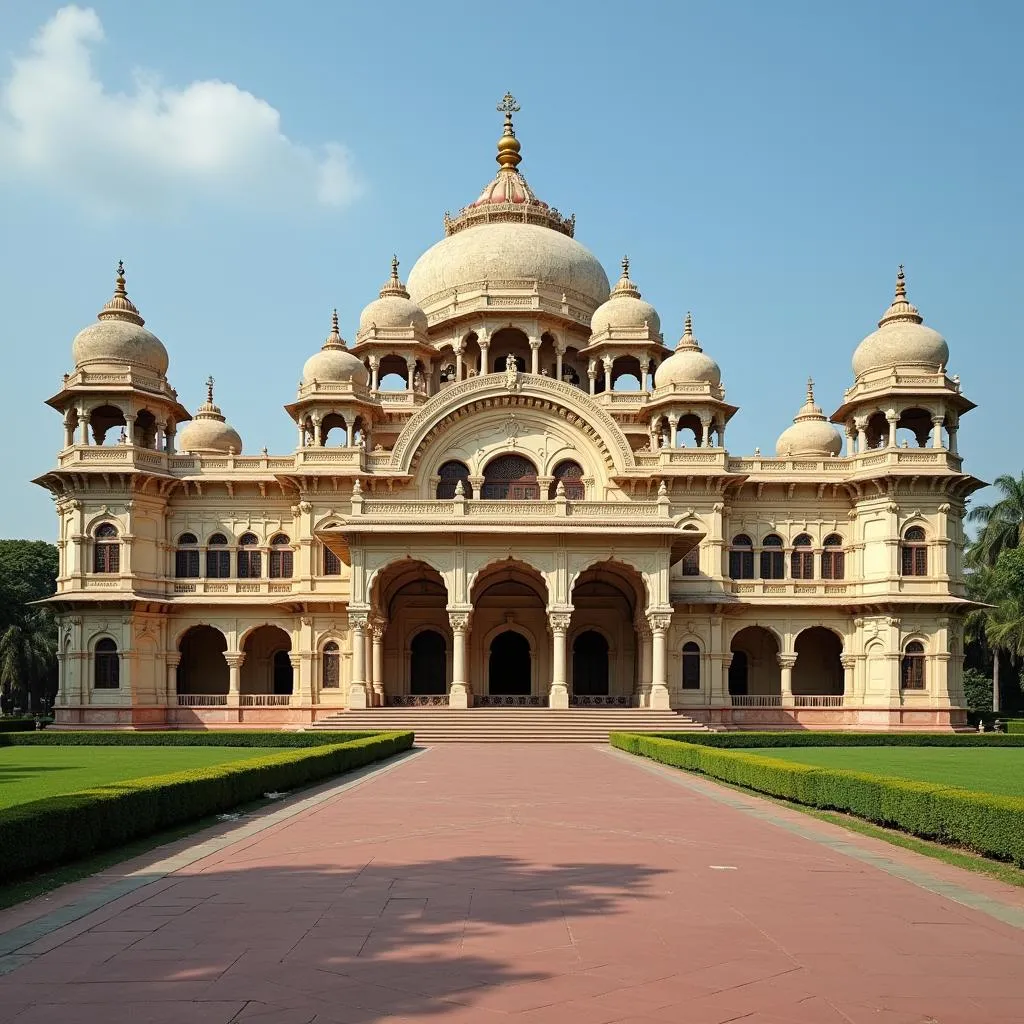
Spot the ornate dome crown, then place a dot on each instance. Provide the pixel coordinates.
(208, 431)
(625, 308)
(119, 336)
(688, 364)
(811, 432)
(334, 363)
(901, 339)
(393, 310)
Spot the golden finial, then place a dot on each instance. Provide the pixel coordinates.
(508, 145)
(209, 389)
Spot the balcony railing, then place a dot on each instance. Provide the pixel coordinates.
(756, 700)
(202, 700)
(264, 700)
(818, 701)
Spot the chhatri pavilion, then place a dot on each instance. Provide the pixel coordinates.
(510, 488)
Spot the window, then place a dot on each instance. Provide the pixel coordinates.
(773, 564)
(186, 558)
(914, 553)
(106, 555)
(571, 476)
(218, 560)
(691, 562)
(107, 665)
(250, 565)
(331, 666)
(510, 477)
(332, 563)
(802, 559)
(691, 666)
(281, 558)
(912, 666)
(450, 474)
(741, 558)
(833, 560)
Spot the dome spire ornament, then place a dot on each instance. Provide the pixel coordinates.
(508, 145)
(394, 284)
(688, 341)
(120, 307)
(811, 432)
(209, 390)
(901, 309)
(208, 432)
(334, 340)
(625, 285)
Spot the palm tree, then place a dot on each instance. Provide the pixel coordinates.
(981, 587)
(1002, 524)
(27, 657)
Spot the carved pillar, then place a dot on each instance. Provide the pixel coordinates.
(849, 663)
(357, 684)
(954, 422)
(129, 429)
(592, 376)
(368, 660)
(558, 695)
(458, 693)
(485, 348)
(534, 355)
(410, 367)
(458, 360)
(318, 440)
(559, 354)
(861, 423)
(377, 661)
(705, 426)
(170, 695)
(851, 446)
(659, 699)
(892, 419)
(673, 426)
(374, 373)
(606, 365)
(234, 677)
(69, 430)
(937, 422)
(786, 663)
(645, 638)
(83, 422)
(302, 435)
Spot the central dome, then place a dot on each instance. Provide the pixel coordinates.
(505, 252)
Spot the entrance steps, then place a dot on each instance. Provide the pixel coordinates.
(511, 725)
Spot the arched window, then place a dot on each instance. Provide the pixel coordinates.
(106, 555)
(107, 665)
(741, 558)
(773, 564)
(281, 557)
(332, 563)
(451, 473)
(218, 561)
(250, 566)
(914, 553)
(802, 559)
(833, 560)
(570, 474)
(912, 666)
(511, 477)
(186, 558)
(691, 666)
(331, 674)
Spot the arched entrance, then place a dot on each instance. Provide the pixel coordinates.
(754, 673)
(202, 668)
(819, 668)
(267, 668)
(508, 666)
(427, 667)
(590, 665)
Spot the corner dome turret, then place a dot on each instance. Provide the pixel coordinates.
(625, 308)
(393, 310)
(119, 337)
(208, 433)
(688, 364)
(811, 432)
(334, 364)
(901, 339)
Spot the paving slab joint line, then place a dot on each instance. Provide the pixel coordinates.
(24, 935)
(758, 807)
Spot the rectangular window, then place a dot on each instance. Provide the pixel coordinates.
(803, 565)
(332, 563)
(186, 564)
(107, 558)
(691, 562)
(832, 565)
(250, 567)
(772, 565)
(281, 563)
(107, 671)
(691, 671)
(741, 565)
(913, 672)
(218, 565)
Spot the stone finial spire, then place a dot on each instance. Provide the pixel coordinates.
(810, 410)
(625, 285)
(688, 342)
(209, 389)
(394, 284)
(810, 391)
(901, 308)
(334, 339)
(508, 145)
(120, 307)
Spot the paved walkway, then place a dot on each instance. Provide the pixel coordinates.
(521, 883)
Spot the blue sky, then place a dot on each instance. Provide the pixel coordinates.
(765, 165)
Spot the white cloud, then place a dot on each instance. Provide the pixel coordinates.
(153, 145)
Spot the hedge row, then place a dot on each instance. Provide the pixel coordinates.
(991, 825)
(179, 738)
(56, 830)
(17, 724)
(810, 738)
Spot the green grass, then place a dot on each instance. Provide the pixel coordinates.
(999, 770)
(32, 773)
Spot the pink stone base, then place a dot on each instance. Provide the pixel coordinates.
(862, 719)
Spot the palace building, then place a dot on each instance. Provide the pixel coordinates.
(510, 489)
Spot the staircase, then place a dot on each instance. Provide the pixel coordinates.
(511, 725)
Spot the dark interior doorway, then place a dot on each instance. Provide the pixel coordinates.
(427, 663)
(738, 673)
(283, 679)
(590, 665)
(509, 665)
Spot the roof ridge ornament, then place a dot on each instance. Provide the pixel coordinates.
(120, 307)
(901, 308)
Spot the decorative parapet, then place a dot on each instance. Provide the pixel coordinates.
(489, 297)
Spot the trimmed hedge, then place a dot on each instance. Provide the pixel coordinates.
(991, 825)
(17, 724)
(56, 830)
(181, 738)
(812, 738)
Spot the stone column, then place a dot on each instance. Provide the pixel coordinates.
(592, 375)
(485, 348)
(234, 678)
(559, 354)
(953, 424)
(458, 362)
(69, 431)
(937, 422)
(659, 622)
(607, 363)
(83, 422)
(558, 695)
(357, 684)
(458, 693)
(129, 429)
(302, 436)
(368, 660)
(172, 429)
(849, 663)
(861, 423)
(379, 627)
(644, 635)
(892, 419)
(171, 683)
(673, 426)
(786, 663)
(535, 356)
(410, 368)
(374, 373)
(318, 440)
(851, 446)
(705, 426)
(349, 432)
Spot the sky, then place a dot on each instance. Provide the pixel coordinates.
(766, 166)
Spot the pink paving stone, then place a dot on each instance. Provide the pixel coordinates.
(545, 884)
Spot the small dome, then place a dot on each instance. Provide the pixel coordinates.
(394, 309)
(119, 336)
(334, 363)
(625, 308)
(208, 432)
(811, 433)
(901, 339)
(688, 364)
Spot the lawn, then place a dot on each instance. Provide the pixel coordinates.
(998, 770)
(31, 773)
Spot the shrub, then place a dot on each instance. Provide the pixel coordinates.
(977, 690)
(811, 738)
(55, 830)
(182, 738)
(991, 825)
(17, 724)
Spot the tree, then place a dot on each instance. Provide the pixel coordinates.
(1001, 524)
(28, 660)
(28, 572)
